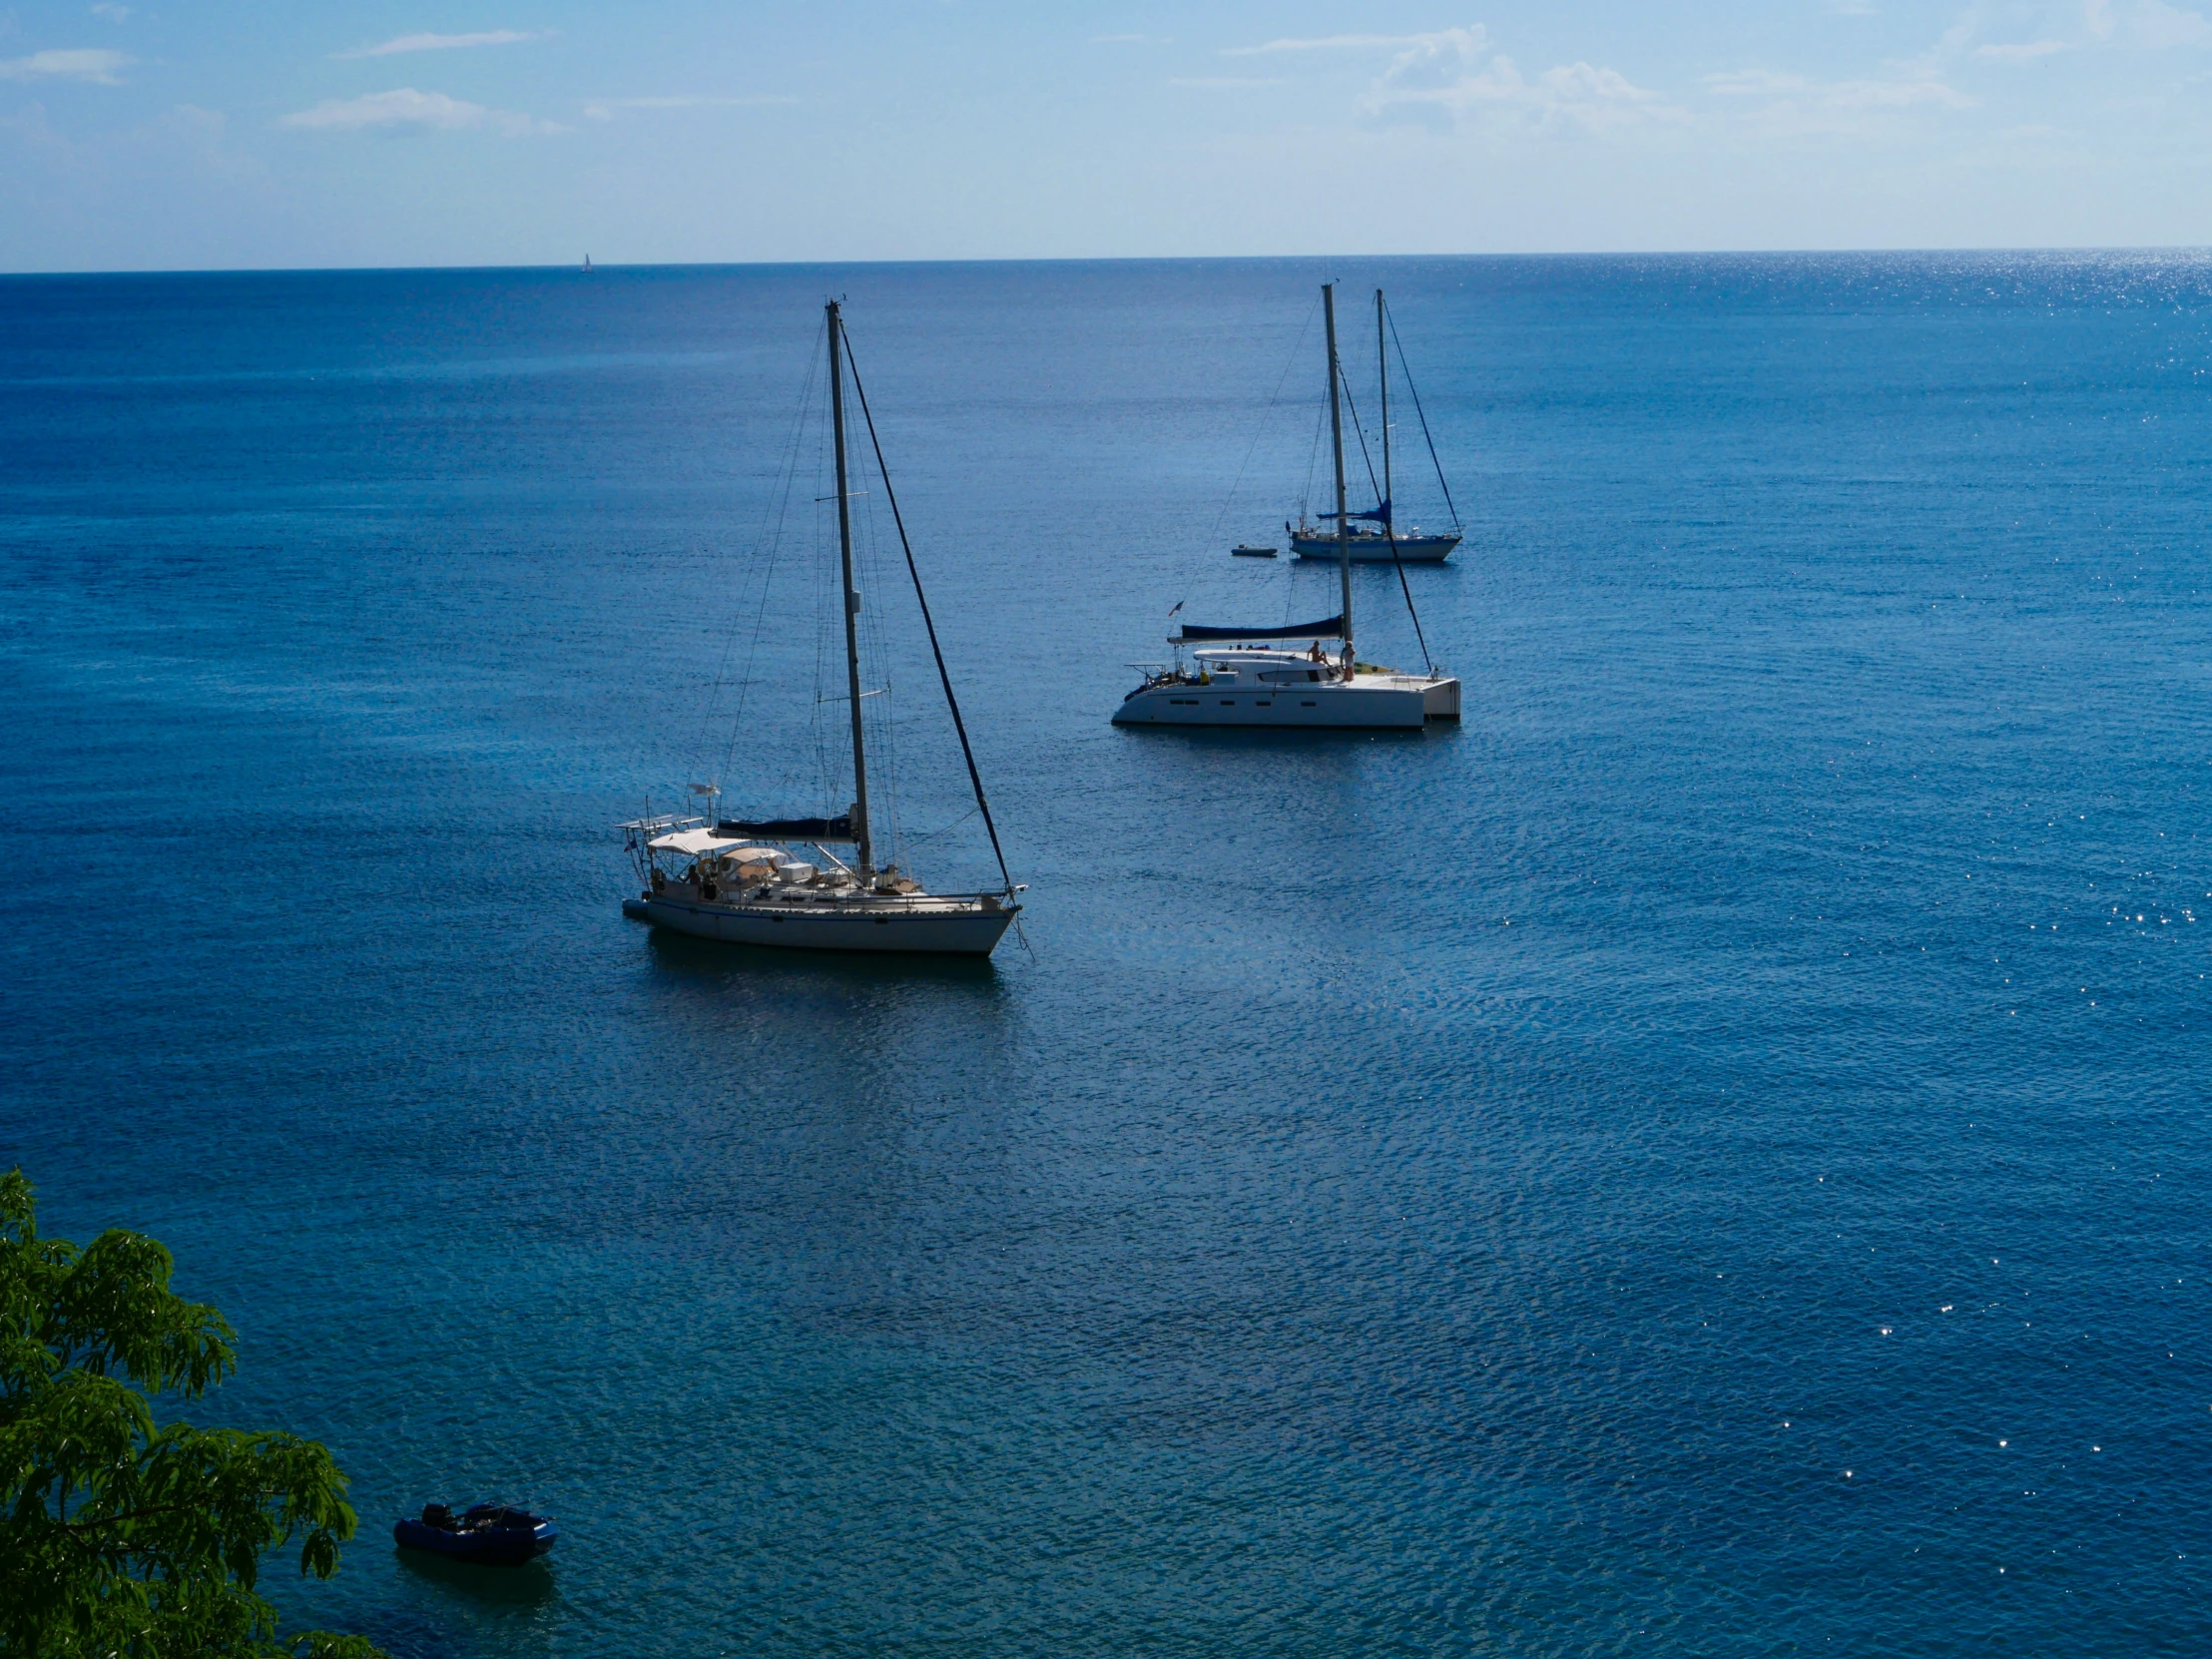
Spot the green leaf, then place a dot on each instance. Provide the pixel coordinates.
(120, 1540)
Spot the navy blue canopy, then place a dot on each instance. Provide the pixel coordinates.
(790, 828)
(1381, 515)
(1330, 629)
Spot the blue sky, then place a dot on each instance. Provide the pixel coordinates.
(256, 134)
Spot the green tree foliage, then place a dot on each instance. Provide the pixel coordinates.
(120, 1540)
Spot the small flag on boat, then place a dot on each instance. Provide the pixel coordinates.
(1179, 604)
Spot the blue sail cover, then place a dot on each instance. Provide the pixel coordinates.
(1330, 629)
(790, 828)
(1381, 515)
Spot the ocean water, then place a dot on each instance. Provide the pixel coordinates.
(1708, 1157)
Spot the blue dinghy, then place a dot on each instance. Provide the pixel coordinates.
(490, 1534)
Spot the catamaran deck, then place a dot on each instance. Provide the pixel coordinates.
(1282, 690)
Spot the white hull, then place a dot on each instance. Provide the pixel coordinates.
(922, 925)
(1406, 701)
(1370, 550)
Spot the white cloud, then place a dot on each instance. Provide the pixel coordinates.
(111, 11)
(1754, 82)
(1794, 104)
(93, 64)
(1893, 95)
(1799, 104)
(603, 109)
(1132, 40)
(1224, 81)
(406, 107)
(1442, 77)
(441, 43)
(1327, 42)
(2158, 26)
(2026, 51)
(1951, 46)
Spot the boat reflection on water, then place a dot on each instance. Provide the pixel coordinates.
(534, 1584)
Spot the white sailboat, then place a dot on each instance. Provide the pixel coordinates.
(1384, 543)
(1252, 677)
(725, 878)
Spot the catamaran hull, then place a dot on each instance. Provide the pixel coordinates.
(1406, 704)
(1411, 550)
(949, 930)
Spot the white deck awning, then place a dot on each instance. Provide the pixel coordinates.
(695, 842)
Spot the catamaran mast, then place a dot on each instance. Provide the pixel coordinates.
(853, 600)
(1337, 440)
(1382, 381)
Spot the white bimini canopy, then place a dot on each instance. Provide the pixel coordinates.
(694, 843)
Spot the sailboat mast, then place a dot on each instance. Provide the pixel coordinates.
(1337, 441)
(851, 599)
(1382, 381)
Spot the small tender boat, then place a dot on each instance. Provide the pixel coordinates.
(1244, 550)
(492, 1534)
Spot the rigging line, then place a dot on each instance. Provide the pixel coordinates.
(770, 537)
(1274, 398)
(1390, 532)
(1415, 390)
(1428, 662)
(825, 792)
(867, 561)
(1360, 431)
(952, 703)
(1312, 461)
(774, 542)
(928, 835)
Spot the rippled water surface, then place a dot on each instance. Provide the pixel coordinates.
(1706, 1158)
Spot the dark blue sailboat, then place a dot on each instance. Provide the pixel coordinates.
(491, 1535)
(1384, 543)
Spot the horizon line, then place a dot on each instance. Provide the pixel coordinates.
(1113, 258)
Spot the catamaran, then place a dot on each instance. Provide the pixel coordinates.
(1384, 543)
(738, 879)
(1251, 676)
